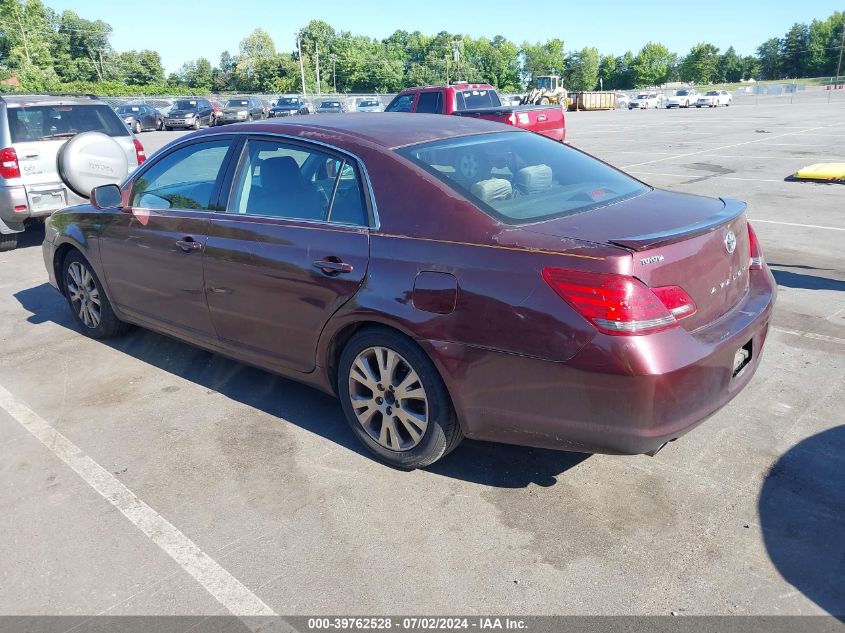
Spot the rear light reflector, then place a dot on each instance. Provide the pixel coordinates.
(756, 262)
(20, 207)
(620, 304)
(9, 167)
(140, 154)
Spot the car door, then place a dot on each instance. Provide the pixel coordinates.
(152, 250)
(292, 247)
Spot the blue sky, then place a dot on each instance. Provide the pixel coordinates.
(613, 26)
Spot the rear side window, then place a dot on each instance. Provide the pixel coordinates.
(521, 177)
(473, 99)
(281, 180)
(38, 123)
(430, 102)
(183, 179)
(402, 103)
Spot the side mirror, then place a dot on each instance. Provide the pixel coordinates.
(106, 197)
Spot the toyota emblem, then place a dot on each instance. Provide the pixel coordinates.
(730, 242)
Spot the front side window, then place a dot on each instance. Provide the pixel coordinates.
(183, 179)
(282, 180)
(521, 177)
(402, 103)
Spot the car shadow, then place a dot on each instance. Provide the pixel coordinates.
(789, 279)
(32, 236)
(802, 516)
(491, 464)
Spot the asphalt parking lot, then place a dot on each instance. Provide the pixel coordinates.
(217, 486)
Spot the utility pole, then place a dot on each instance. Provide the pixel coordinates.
(841, 47)
(317, 55)
(301, 65)
(447, 70)
(334, 72)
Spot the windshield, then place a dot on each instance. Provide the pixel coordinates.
(126, 109)
(713, 93)
(642, 96)
(330, 104)
(35, 123)
(474, 99)
(682, 93)
(519, 177)
(185, 104)
(284, 101)
(367, 104)
(236, 103)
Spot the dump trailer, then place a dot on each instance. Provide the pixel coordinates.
(593, 100)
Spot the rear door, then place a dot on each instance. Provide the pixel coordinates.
(152, 251)
(430, 102)
(292, 247)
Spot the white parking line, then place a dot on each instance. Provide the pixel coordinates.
(707, 175)
(714, 149)
(224, 587)
(806, 226)
(811, 335)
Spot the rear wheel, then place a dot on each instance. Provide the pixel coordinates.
(136, 127)
(87, 300)
(8, 242)
(395, 400)
(159, 124)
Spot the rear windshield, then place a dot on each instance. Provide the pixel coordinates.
(522, 177)
(128, 109)
(367, 104)
(37, 123)
(474, 99)
(682, 93)
(713, 93)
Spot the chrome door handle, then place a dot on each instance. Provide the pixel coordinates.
(333, 267)
(189, 244)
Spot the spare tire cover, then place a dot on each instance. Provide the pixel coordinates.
(92, 159)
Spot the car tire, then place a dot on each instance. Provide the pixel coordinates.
(249, 118)
(87, 300)
(423, 428)
(136, 127)
(197, 123)
(8, 242)
(159, 125)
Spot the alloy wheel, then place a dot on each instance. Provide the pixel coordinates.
(84, 295)
(388, 398)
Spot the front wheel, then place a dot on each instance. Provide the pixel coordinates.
(395, 400)
(87, 300)
(136, 127)
(197, 123)
(160, 124)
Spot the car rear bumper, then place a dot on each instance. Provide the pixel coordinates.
(24, 202)
(618, 395)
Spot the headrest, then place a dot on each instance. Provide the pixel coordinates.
(280, 172)
(492, 189)
(533, 178)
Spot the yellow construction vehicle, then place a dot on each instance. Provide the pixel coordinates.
(547, 90)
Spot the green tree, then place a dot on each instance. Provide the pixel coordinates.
(607, 72)
(28, 32)
(82, 48)
(794, 51)
(651, 65)
(543, 59)
(582, 69)
(701, 65)
(254, 48)
(768, 54)
(730, 67)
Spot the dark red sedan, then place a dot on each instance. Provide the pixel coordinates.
(445, 277)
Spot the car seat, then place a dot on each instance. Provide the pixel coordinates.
(284, 192)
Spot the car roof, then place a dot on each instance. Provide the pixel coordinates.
(389, 130)
(42, 99)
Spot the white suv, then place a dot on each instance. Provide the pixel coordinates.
(33, 129)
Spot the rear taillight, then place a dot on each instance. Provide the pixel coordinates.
(619, 304)
(9, 167)
(756, 262)
(140, 154)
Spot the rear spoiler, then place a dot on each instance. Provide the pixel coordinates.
(731, 210)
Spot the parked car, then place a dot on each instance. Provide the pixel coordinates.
(370, 105)
(162, 105)
(714, 99)
(190, 113)
(243, 109)
(683, 98)
(481, 101)
(645, 100)
(287, 106)
(622, 100)
(34, 131)
(475, 281)
(332, 106)
(217, 112)
(140, 117)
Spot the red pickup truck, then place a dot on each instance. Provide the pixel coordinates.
(481, 101)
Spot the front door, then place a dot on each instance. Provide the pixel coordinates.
(292, 247)
(152, 252)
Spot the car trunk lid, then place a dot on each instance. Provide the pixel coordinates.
(700, 244)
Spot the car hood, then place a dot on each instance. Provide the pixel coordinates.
(285, 108)
(176, 113)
